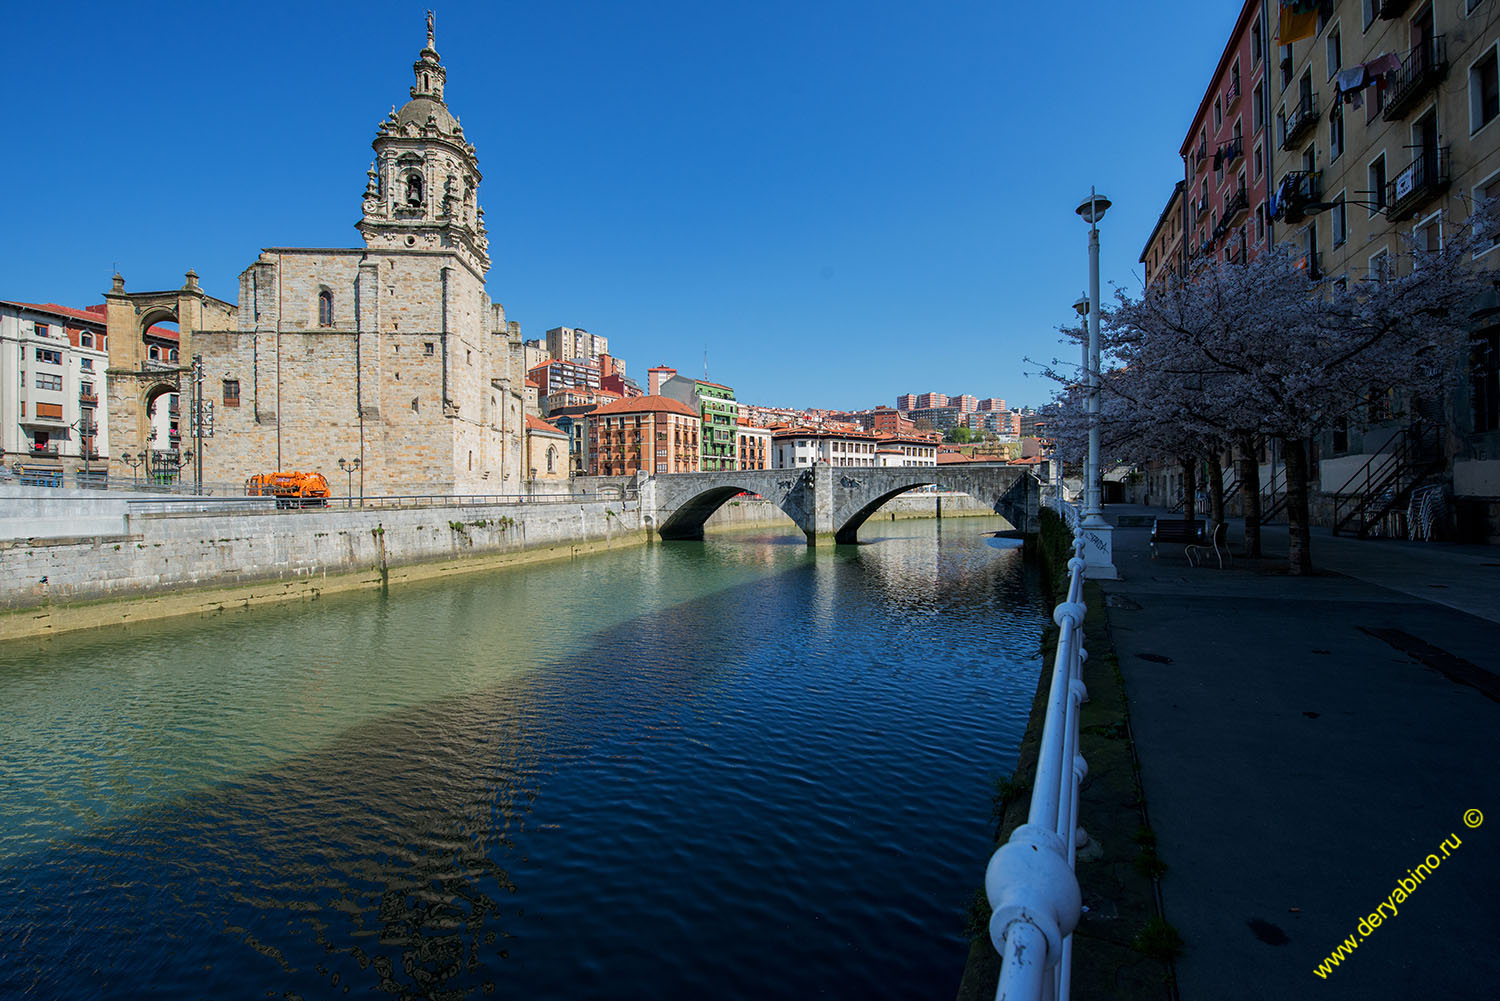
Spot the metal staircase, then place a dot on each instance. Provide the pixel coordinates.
(1383, 486)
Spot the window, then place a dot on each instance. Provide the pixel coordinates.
(231, 392)
(1428, 235)
(87, 364)
(48, 381)
(1336, 132)
(325, 308)
(1339, 221)
(1335, 53)
(1484, 91)
(1488, 190)
(1376, 175)
(48, 357)
(1484, 380)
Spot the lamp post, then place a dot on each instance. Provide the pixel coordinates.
(134, 462)
(1098, 535)
(349, 466)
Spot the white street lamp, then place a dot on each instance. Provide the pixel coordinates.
(1097, 533)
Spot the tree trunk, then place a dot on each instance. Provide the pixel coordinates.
(1250, 490)
(1189, 488)
(1299, 546)
(1216, 486)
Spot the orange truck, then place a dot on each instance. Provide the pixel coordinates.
(290, 489)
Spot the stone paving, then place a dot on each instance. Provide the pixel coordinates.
(1304, 743)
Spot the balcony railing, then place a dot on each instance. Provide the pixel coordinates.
(1238, 204)
(1297, 188)
(1425, 179)
(1421, 71)
(1302, 119)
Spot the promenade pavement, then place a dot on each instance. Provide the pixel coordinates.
(1305, 743)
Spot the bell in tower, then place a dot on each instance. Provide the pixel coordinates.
(426, 175)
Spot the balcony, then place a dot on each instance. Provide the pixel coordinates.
(1237, 206)
(1389, 10)
(1421, 71)
(1425, 179)
(1230, 151)
(1297, 189)
(1302, 120)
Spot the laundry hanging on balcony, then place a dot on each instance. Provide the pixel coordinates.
(1298, 20)
(1349, 88)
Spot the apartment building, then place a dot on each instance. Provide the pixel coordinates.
(1387, 136)
(1227, 148)
(651, 434)
(54, 429)
(800, 447)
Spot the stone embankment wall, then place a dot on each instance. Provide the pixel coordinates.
(166, 552)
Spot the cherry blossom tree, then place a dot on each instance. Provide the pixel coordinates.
(1236, 352)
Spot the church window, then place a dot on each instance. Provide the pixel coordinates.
(414, 189)
(325, 308)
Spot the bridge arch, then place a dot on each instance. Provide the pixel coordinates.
(687, 521)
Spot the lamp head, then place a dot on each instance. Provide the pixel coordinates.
(1093, 207)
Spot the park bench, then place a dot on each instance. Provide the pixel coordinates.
(1218, 543)
(1176, 531)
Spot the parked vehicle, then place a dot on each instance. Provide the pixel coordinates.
(292, 489)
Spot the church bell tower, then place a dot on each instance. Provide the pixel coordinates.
(423, 190)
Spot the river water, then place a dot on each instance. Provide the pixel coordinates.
(729, 769)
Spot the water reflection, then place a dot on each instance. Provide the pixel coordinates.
(775, 752)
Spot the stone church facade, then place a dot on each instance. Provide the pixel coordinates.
(391, 353)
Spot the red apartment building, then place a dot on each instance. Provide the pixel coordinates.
(1226, 153)
(653, 434)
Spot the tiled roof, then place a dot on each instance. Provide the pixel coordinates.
(647, 404)
(537, 424)
(62, 312)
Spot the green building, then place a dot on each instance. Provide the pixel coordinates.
(720, 415)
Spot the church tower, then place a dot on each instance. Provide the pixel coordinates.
(424, 183)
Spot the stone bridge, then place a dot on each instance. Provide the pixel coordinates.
(827, 503)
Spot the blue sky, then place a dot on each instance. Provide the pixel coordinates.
(838, 201)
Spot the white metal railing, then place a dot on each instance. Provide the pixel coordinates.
(1030, 883)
